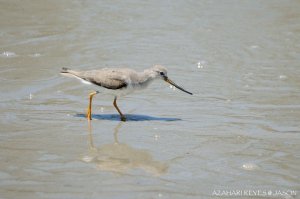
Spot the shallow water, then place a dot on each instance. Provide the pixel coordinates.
(239, 131)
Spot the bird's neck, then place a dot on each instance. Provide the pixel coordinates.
(147, 77)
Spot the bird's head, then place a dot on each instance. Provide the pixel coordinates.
(161, 72)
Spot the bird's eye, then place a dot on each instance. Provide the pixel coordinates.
(162, 73)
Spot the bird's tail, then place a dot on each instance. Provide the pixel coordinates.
(69, 73)
(64, 70)
(72, 73)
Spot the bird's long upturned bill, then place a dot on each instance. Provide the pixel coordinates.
(173, 84)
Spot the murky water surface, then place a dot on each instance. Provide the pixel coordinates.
(240, 131)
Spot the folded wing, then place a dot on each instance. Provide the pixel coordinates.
(107, 78)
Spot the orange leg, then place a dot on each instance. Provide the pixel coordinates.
(123, 118)
(89, 111)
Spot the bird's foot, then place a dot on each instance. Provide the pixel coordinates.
(123, 118)
(88, 115)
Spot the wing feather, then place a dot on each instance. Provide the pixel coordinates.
(107, 78)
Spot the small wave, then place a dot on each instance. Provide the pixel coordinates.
(7, 54)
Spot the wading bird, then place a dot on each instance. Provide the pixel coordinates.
(119, 81)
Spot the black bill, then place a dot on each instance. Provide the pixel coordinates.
(173, 84)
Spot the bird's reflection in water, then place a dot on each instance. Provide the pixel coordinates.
(121, 158)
